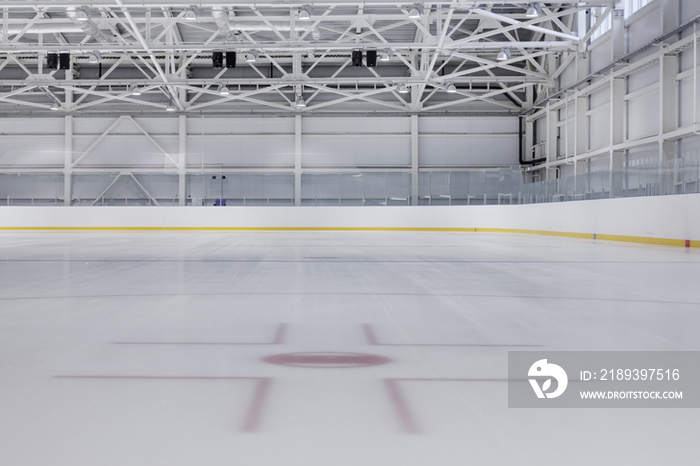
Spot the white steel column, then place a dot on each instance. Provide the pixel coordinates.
(297, 160)
(669, 17)
(668, 105)
(668, 120)
(551, 150)
(583, 65)
(68, 160)
(529, 126)
(182, 161)
(580, 133)
(617, 129)
(617, 95)
(414, 159)
(582, 130)
(618, 34)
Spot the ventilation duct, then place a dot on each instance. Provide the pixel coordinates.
(221, 19)
(87, 26)
(54, 28)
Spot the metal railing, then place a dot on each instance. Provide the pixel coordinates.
(492, 186)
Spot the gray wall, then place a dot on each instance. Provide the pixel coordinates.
(260, 156)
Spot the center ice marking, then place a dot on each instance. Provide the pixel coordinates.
(326, 359)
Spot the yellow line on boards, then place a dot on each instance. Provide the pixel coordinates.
(235, 229)
(538, 232)
(605, 237)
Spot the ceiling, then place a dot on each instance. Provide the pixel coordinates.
(446, 60)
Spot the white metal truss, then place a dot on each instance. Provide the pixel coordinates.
(166, 51)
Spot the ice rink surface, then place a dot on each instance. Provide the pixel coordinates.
(184, 348)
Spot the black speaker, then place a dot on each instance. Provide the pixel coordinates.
(371, 58)
(217, 59)
(230, 59)
(64, 61)
(357, 58)
(52, 61)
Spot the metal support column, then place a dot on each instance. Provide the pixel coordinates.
(552, 142)
(617, 129)
(68, 160)
(581, 118)
(668, 121)
(580, 139)
(670, 17)
(182, 161)
(297, 160)
(414, 159)
(669, 102)
(529, 126)
(618, 34)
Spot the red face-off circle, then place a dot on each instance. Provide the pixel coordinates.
(326, 360)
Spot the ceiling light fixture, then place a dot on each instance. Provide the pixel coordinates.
(305, 13)
(386, 55)
(402, 89)
(533, 10)
(95, 57)
(223, 89)
(134, 90)
(170, 107)
(451, 88)
(55, 107)
(301, 103)
(503, 55)
(191, 14)
(251, 57)
(316, 34)
(415, 12)
(81, 14)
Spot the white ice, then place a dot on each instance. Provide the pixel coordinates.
(146, 348)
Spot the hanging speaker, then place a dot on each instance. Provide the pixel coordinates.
(64, 61)
(230, 59)
(52, 61)
(217, 59)
(357, 58)
(371, 58)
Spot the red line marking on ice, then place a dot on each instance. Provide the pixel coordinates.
(254, 412)
(370, 335)
(326, 359)
(252, 419)
(403, 411)
(374, 341)
(408, 424)
(281, 333)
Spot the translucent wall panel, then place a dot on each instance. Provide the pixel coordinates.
(599, 129)
(31, 189)
(31, 141)
(241, 189)
(125, 190)
(689, 9)
(601, 53)
(370, 188)
(632, 6)
(479, 187)
(641, 32)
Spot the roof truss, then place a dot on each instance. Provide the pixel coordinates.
(155, 47)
